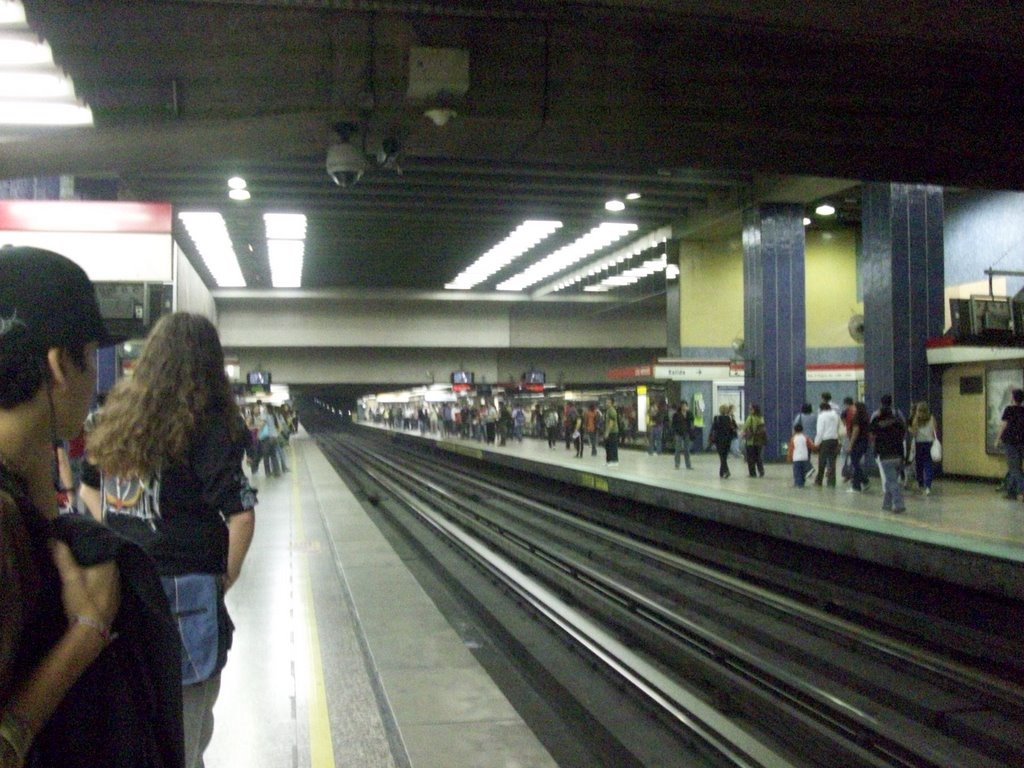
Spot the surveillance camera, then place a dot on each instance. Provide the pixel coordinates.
(345, 164)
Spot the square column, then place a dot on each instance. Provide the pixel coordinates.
(903, 272)
(774, 316)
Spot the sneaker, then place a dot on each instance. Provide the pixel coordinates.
(851, 489)
(927, 491)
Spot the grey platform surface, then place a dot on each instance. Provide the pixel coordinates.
(340, 658)
(963, 532)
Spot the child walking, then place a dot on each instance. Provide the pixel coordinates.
(800, 448)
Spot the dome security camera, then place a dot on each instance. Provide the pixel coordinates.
(345, 164)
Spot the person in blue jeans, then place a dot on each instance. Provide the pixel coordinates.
(859, 424)
(682, 426)
(886, 431)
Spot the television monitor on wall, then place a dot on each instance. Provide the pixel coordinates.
(534, 377)
(258, 380)
(462, 377)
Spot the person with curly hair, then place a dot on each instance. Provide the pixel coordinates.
(88, 667)
(169, 445)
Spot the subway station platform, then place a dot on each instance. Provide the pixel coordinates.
(340, 658)
(964, 532)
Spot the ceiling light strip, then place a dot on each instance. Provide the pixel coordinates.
(209, 233)
(286, 247)
(524, 237)
(33, 90)
(598, 238)
(634, 248)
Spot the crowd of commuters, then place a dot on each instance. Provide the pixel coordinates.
(114, 628)
(842, 436)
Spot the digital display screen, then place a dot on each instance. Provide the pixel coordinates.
(258, 378)
(462, 377)
(533, 377)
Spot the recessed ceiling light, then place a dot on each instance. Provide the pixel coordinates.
(633, 196)
(825, 210)
(237, 182)
(807, 222)
(615, 205)
(239, 194)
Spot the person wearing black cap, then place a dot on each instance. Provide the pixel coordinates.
(83, 619)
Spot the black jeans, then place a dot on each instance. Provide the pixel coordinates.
(754, 463)
(723, 458)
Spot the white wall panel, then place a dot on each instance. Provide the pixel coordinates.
(190, 293)
(390, 323)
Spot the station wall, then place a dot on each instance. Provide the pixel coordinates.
(407, 366)
(408, 323)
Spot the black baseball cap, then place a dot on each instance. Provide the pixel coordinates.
(46, 300)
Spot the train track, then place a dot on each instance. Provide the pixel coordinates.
(742, 674)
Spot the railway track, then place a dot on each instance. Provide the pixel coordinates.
(736, 673)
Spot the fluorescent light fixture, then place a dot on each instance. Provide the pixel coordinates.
(239, 194)
(597, 239)
(12, 14)
(18, 84)
(44, 113)
(524, 237)
(603, 264)
(807, 222)
(633, 196)
(672, 271)
(209, 233)
(825, 210)
(286, 247)
(33, 90)
(286, 257)
(237, 182)
(597, 289)
(615, 205)
(24, 49)
(285, 226)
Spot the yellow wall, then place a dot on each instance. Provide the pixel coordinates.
(711, 290)
(963, 427)
(711, 293)
(830, 265)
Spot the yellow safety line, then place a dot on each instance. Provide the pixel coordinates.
(321, 747)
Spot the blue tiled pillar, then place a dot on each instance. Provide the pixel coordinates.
(903, 275)
(672, 300)
(774, 326)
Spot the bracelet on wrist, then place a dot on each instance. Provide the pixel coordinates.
(102, 629)
(15, 732)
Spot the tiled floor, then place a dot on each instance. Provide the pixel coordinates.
(340, 658)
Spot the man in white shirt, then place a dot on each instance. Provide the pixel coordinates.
(828, 444)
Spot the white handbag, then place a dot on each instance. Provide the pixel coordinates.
(936, 450)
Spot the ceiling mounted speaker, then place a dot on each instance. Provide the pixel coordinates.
(856, 328)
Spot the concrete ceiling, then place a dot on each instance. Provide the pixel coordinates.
(694, 105)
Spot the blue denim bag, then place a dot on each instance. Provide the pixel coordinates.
(195, 603)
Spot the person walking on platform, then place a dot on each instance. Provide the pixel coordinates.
(925, 432)
(858, 438)
(590, 427)
(577, 431)
(799, 452)
(755, 434)
(828, 444)
(551, 425)
(1011, 436)
(808, 420)
(723, 432)
(170, 447)
(89, 653)
(682, 427)
(886, 431)
(611, 434)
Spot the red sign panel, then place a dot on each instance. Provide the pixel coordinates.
(84, 216)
